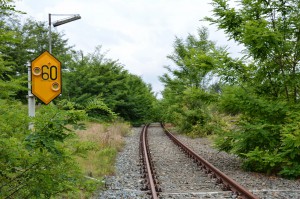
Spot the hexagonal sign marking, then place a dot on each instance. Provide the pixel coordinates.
(46, 82)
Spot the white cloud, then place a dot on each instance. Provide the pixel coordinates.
(139, 33)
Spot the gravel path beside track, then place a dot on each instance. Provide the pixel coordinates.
(126, 184)
(265, 187)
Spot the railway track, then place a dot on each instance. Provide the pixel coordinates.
(194, 177)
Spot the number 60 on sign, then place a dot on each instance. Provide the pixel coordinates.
(46, 79)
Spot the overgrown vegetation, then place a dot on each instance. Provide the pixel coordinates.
(186, 98)
(105, 141)
(51, 160)
(250, 104)
(260, 91)
(35, 163)
(94, 80)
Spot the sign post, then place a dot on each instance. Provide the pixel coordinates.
(46, 81)
(31, 99)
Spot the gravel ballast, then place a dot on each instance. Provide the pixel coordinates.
(127, 182)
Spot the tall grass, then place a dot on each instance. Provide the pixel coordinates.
(106, 140)
(95, 150)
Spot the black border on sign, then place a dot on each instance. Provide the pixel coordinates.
(60, 76)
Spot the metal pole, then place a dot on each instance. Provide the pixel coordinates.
(50, 47)
(31, 99)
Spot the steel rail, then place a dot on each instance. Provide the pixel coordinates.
(144, 150)
(228, 183)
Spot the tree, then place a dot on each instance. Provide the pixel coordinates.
(193, 58)
(265, 134)
(94, 76)
(269, 30)
(9, 86)
(185, 94)
(137, 103)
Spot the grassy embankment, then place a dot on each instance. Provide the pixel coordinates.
(98, 145)
(108, 140)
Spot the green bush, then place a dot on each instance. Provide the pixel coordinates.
(96, 108)
(37, 163)
(192, 115)
(290, 145)
(262, 161)
(266, 136)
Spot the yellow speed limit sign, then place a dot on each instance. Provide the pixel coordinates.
(46, 79)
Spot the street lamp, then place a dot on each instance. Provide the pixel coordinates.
(72, 17)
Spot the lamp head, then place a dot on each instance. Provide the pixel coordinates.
(67, 20)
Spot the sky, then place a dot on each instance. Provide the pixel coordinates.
(138, 33)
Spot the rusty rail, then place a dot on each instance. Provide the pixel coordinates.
(147, 164)
(228, 183)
